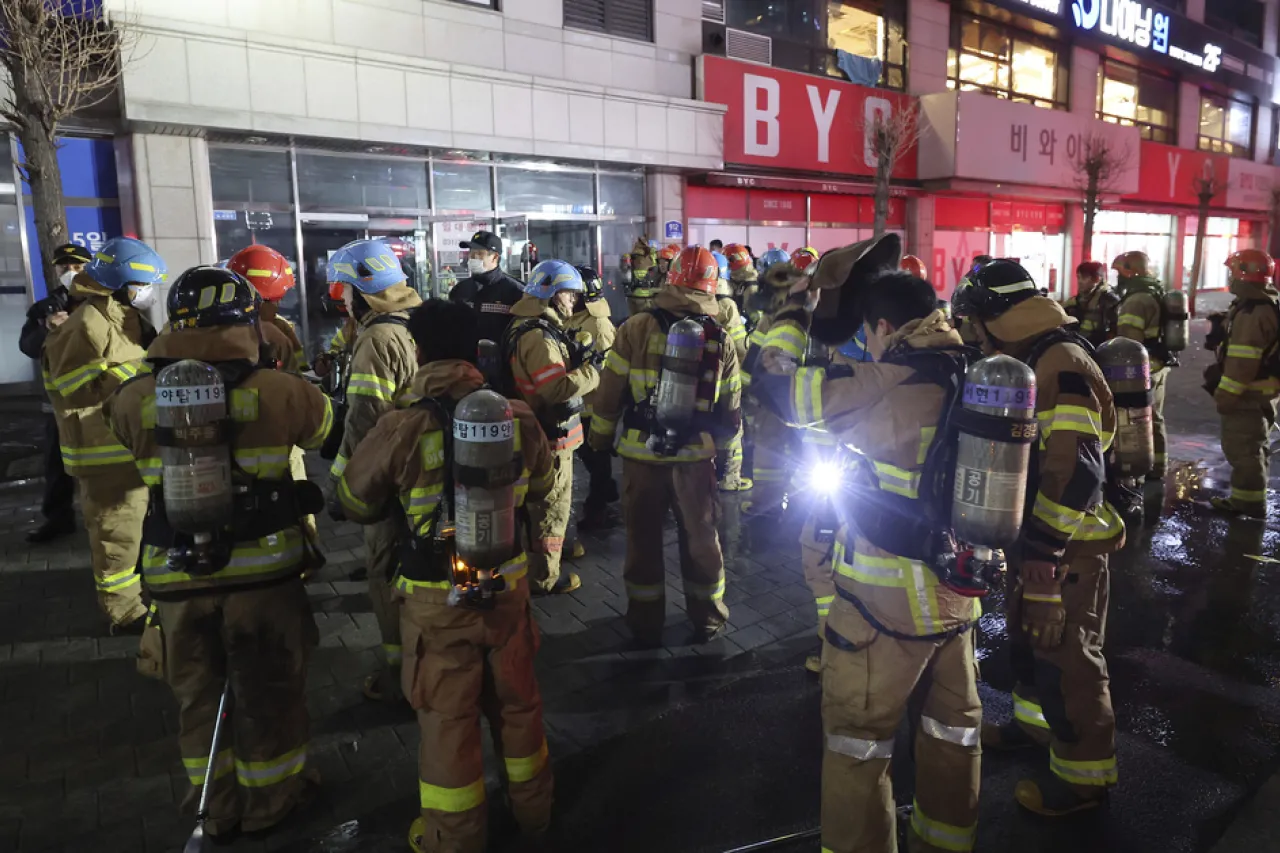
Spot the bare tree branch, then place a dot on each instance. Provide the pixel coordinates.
(888, 139)
(1099, 168)
(1207, 185)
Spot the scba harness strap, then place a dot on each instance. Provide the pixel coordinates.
(640, 414)
(557, 420)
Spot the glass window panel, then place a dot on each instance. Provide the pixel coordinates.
(994, 42)
(1213, 118)
(1033, 70)
(970, 34)
(529, 191)
(855, 30)
(1240, 124)
(268, 228)
(349, 183)
(621, 195)
(241, 175)
(461, 186)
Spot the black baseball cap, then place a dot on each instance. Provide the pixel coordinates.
(483, 240)
(70, 253)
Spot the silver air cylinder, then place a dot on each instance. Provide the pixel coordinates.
(484, 475)
(191, 408)
(677, 393)
(1127, 369)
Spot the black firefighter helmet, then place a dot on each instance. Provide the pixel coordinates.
(591, 282)
(993, 290)
(203, 297)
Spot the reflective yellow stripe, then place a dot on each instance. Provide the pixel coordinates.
(326, 424)
(339, 465)
(944, 835)
(73, 380)
(1231, 386)
(1042, 598)
(1072, 418)
(787, 338)
(371, 385)
(1101, 524)
(1251, 496)
(824, 603)
(451, 800)
(392, 653)
(616, 363)
(525, 769)
(808, 395)
(1100, 773)
(196, 768)
(151, 470)
(900, 481)
(645, 592)
(262, 774)
(642, 381)
(1063, 519)
(927, 435)
(269, 462)
(265, 556)
(78, 458)
(350, 502)
(1026, 711)
(1132, 320)
(705, 591)
(117, 581)
(632, 445)
(125, 372)
(1242, 351)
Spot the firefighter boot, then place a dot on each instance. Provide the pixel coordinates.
(1049, 796)
(1006, 738)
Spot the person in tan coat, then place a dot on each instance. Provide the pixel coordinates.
(460, 662)
(680, 474)
(1141, 318)
(1246, 389)
(729, 459)
(382, 363)
(591, 316)
(247, 621)
(550, 375)
(1058, 581)
(1095, 305)
(85, 359)
(893, 628)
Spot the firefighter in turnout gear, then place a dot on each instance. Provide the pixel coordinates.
(1058, 577)
(646, 277)
(591, 315)
(460, 660)
(729, 458)
(238, 612)
(98, 347)
(1095, 305)
(742, 275)
(894, 628)
(671, 426)
(552, 374)
(1141, 318)
(382, 363)
(1247, 384)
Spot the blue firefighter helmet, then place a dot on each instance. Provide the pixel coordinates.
(774, 256)
(367, 265)
(722, 262)
(550, 277)
(856, 348)
(124, 260)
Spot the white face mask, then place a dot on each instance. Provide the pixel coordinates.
(476, 266)
(142, 296)
(66, 278)
(349, 299)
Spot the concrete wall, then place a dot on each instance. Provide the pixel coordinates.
(928, 38)
(425, 72)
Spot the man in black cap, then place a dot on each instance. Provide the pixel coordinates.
(489, 291)
(58, 506)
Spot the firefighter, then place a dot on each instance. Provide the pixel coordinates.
(1247, 387)
(677, 473)
(804, 258)
(646, 277)
(1141, 318)
(383, 361)
(551, 374)
(489, 291)
(666, 255)
(271, 275)
(880, 643)
(244, 618)
(591, 315)
(460, 661)
(98, 347)
(1095, 305)
(729, 457)
(58, 505)
(915, 266)
(742, 274)
(1058, 576)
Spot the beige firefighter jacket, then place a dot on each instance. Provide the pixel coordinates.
(282, 340)
(595, 320)
(1141, 319)
(631, 373)
(84, 360)
(730, 319)
(404, 459)
(1097, 311)
(544, 380)
(272, 411)
(1251, 333)
(383, 361)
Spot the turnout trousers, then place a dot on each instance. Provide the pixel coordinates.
(689, 489)
(382, 541)
(459, 664)
(866, 684)
(260, 639)
(549, 519)
(1159, 434)
(1062, 696)
(1244, 442)
(113, 514)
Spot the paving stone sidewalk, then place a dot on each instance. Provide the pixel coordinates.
(88, 748)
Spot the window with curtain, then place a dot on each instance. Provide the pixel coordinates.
(991, 57)
(631, 19)
(1226, 124)
(1135, 97)
(869, 34)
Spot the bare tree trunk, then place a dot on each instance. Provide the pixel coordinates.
(40, 164)
(1090, 214)
(884, 166)
(1202, 225)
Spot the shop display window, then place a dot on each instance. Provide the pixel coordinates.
(1226, 124)
(550, 191)
(461, 186)
(328, 182)
(987, 56)
(1135, 97)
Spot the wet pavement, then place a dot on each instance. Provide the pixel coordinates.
(682, 749)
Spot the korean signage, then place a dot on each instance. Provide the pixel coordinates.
(785, 120)
(1170, 175)
(975, 136)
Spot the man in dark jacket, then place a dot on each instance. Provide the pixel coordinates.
(58, 506)
(490, 292)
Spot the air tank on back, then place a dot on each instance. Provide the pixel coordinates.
(484, 477)
(1127, 369)
(996, 429)
(677, 394)
(1176, 320)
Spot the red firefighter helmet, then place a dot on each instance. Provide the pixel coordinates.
(267, 270)
(669, 252)
(801, 259)
(695, 269)
(739, 257)
(1253, 265)
(915, 266)
(1093, 269)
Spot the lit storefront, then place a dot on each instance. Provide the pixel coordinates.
(1032, 232)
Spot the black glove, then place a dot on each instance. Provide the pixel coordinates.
(1217, 331)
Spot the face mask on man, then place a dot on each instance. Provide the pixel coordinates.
(142, 296)
(475, 266)
(66, 278)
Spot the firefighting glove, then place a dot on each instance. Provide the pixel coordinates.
(1044, 619)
